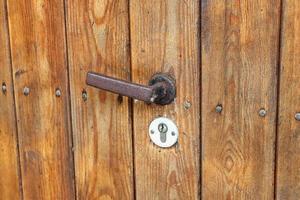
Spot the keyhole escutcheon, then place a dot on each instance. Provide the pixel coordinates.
(163, 132)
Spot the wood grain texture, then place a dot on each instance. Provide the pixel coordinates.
(165, 37)
(39, 62)
(9, 168)
(239, 70)
(288, 162)
(98, 40)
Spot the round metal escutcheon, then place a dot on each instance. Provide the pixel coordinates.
(163, 132)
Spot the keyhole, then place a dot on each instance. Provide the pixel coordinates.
(163, 129)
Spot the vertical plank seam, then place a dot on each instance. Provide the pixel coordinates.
(20, 177)
(69, 99)
(131, 105)
(200, 99)
(279, 50)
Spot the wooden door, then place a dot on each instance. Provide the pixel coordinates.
(237, 108)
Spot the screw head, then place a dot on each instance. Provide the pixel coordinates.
(219, 108)
(162, 128)
(57, 92)
(262, 112)
(26, 91)
(4, 88)
(297, 116)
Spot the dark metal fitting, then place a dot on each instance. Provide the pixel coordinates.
(161, 89)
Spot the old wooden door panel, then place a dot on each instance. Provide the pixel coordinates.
(98, 40)
(134, 39)
(239, 71)
(288, 174)
(165, 38)
(9, 177)
(39, 62)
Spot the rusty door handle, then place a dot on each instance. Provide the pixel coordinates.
(160, 90)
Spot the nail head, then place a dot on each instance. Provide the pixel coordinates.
(262, 112)
(219, 108)
(187, 105)
(4, 88)
(26, 91)
(57, 92)
(84, 95)
(297, 116)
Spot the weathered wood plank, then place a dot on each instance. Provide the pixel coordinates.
(39, 62)
(9, 168)
(166, 38)
(98, 40)
(288, 165)
(239, 70)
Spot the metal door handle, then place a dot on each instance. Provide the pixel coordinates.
(160, 90)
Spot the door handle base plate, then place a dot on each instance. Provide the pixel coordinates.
(170, 88)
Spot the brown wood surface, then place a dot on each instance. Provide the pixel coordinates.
(97, 146)
(9, 168)
(39, 63)
(288, 162)
(239, 70)
(165, 37)
(98, 40)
